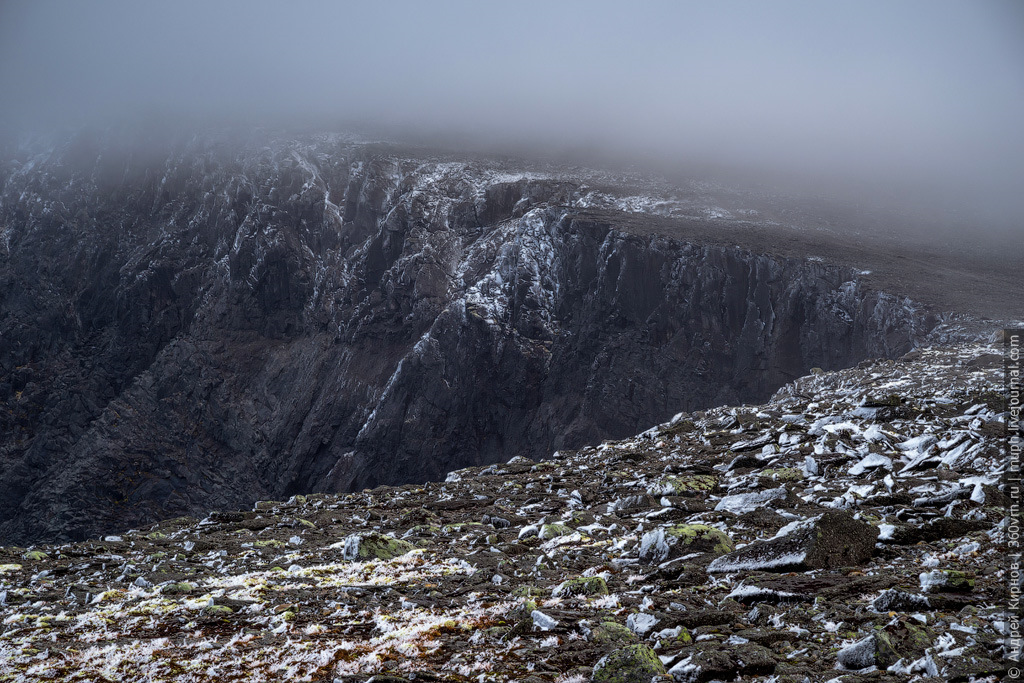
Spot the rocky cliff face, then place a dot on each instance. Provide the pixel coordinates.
(226, 321)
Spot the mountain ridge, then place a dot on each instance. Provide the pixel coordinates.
(230, 320)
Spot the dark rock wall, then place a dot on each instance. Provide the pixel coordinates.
(230, 321)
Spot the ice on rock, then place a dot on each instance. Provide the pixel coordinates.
(543, 621)
(919, 443)
(858, 655)
(810, 466)
(746, 502)
(870, 461)
(641, 622)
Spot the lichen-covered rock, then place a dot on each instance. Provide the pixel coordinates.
(835, 539)
(550, 531)
(581, 586)
(522, 611)
(373, 546)
(612, 632)
(665, 543)
(784, 474)
(631, 664)
(684, 486)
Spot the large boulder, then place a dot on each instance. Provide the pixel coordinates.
(834, 539)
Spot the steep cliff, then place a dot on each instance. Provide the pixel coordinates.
(223, 321)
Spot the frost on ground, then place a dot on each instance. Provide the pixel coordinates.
(536, 571)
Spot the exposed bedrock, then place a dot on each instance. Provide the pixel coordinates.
(229, 322)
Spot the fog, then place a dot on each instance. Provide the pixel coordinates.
(922, 99)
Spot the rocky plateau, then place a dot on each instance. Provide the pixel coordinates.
(850, 529)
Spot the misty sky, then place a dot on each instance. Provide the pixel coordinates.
(930, 90)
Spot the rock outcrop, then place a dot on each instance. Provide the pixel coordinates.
(225, 321)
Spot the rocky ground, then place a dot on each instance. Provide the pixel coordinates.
(851, 529)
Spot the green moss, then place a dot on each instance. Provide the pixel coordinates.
(527, 592)
(156, 535)
(35, 555)
(581, 586)
(612, 632)
(177, 588)
(701, 536)
(269, 543)
(631, 663)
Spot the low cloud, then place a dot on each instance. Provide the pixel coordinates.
(925, 96)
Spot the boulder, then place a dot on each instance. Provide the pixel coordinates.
(665, 543)
(631, 664)
(835, 539)
(373, 546)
